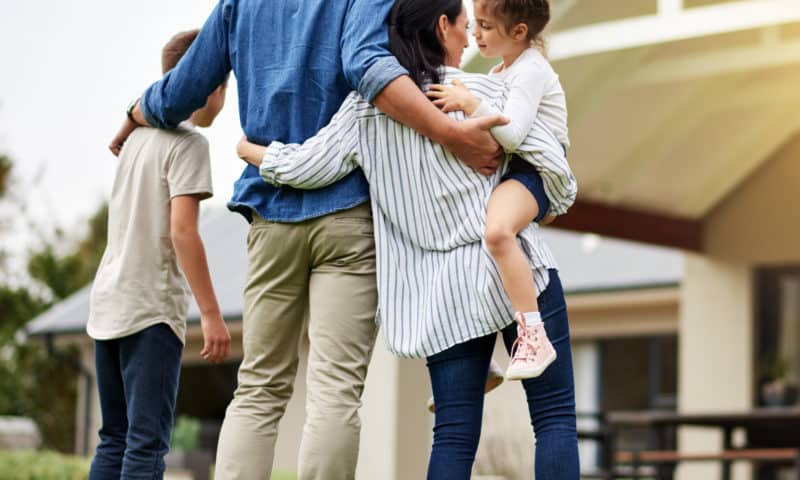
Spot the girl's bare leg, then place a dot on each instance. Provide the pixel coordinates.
(511, 209)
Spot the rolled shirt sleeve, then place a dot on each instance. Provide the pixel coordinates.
(203, 68)
(368, 65)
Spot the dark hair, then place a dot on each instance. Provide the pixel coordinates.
(177, 46)
(412, 36)
(533, 13)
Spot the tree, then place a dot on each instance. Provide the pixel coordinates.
(33, 381)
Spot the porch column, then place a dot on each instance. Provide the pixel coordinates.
(715, 352)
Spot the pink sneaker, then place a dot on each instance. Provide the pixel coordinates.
(493, 380)
(531, 353)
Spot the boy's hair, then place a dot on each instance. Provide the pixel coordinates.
(175, 49)
(533, 13)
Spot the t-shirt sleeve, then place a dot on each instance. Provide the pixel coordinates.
(189, 170)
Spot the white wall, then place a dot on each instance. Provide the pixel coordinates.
(715, 350)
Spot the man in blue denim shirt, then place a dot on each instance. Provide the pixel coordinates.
(310, 253)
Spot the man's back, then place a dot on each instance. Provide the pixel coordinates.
(295, 62)
(139, 282)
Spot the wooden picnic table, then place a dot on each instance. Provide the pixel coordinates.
(782, 421)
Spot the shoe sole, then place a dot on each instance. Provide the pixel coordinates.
(526, 373)
(491, 383)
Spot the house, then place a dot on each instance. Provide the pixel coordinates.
(617, 307)
(685, 134)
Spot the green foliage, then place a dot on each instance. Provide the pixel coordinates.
(774, 367)
(66, 274)
(17, 306)
(36, 383)
(42, 466)
(5, 170)
(186, 434)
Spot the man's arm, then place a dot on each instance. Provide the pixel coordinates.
(185, 88)
(469, 140)
(192, 257)
(371, 69)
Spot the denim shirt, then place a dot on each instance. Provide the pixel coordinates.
(295, 61)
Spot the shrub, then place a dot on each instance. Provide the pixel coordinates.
(186, 434)
(33, 465)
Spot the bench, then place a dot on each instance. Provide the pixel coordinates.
(786, 456)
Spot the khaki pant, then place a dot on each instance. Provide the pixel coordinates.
(325, 267)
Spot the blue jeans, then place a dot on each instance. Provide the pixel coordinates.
(458, 377)
(137, 377)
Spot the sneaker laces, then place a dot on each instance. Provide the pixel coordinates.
(525, 344)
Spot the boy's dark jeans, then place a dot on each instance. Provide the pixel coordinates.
(137, 377)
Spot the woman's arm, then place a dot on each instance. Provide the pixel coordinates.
(320, 161)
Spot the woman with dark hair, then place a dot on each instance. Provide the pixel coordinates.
(440, 294)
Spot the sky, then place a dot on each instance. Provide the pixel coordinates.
(69, 70)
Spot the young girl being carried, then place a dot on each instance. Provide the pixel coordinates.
(512, 30)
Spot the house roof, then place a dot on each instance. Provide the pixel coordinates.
(586, 262)
(673, 106)
(224, 236)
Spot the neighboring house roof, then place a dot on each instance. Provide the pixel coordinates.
(586, 262)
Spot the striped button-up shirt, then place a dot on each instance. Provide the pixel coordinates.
(437, 284)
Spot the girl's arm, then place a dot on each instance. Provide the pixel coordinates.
(521, 107)
(536, 145)
(320, 161)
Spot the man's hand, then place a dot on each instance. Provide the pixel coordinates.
(472, 143)
(216, 339)
(122, 135)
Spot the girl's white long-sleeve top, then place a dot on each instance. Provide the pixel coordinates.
(437, 284)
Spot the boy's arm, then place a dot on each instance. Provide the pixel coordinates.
(322, 159)
(192, 257)
(371, 69)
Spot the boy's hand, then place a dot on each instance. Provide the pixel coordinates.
(122, 135)
(216, 339)
(452, 98)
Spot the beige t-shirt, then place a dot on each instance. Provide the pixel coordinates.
(139, 282)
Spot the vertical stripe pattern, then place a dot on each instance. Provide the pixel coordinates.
(437, 284)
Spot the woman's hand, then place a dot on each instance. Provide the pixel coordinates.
(452, 98)
(251, 153)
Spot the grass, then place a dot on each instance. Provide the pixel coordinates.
(284, 476)
(28, 464)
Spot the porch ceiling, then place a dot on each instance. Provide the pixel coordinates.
(674, 128)
(669, 130)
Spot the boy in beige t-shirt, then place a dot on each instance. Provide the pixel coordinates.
(140, 295)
